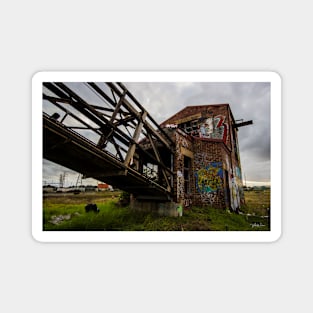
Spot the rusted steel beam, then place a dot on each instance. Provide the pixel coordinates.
(132, 147)
(163, 167)
(91, 113)
(133, 112)
(126, 115)
(99, 91)
(243, 124)
(169, 142)
(67, 112)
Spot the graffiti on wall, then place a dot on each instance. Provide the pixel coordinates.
(206, 128)
(210, 178)
(187, 201)
(237, 172)
(236, 189)
(181, 140)
(182, 196)
(213, 128)
(235, 197)
(239, 184)
(212, 197)
(180, 185)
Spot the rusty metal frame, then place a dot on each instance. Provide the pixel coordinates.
(120, 123)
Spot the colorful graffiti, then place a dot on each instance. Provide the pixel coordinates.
(214, 128)
(210, 178)
(239, 184)
(238, 172)
(206, 128)
(236, 188)
(235, 197)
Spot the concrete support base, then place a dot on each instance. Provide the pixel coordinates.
(162, 208)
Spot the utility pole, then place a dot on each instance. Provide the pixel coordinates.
(79, 178)
(62, 180)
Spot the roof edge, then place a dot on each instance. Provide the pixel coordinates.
(193, 106)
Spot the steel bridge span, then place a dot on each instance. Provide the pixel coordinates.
(102, 131)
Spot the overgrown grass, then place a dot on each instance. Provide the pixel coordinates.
(257, 202)
(113, 217)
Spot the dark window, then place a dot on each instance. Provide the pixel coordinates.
(187, 171)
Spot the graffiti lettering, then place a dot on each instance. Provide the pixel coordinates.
(214, 128)
(211, 197)
(180, 185)
(210, 178)
(187, 202)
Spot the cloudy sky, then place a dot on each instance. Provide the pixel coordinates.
(248, 101)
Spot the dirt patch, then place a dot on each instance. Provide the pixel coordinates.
(58, 219)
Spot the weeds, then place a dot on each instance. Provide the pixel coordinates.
(114, 217)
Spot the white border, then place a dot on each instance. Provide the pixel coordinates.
(158, 236)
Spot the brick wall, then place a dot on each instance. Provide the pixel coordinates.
(208, 174)
(213, 176)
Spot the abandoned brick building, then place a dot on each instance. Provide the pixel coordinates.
(207, 161)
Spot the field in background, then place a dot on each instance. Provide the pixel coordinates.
(67, 212)
(257, 202)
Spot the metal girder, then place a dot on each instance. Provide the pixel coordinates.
(236, 125)
(116, 126)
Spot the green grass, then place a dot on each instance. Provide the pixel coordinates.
(257, 202)
(113, 217)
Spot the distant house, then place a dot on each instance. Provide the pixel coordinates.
(104, 187)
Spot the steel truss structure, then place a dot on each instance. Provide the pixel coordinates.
(102, 131)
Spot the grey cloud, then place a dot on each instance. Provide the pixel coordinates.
(248, 101)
